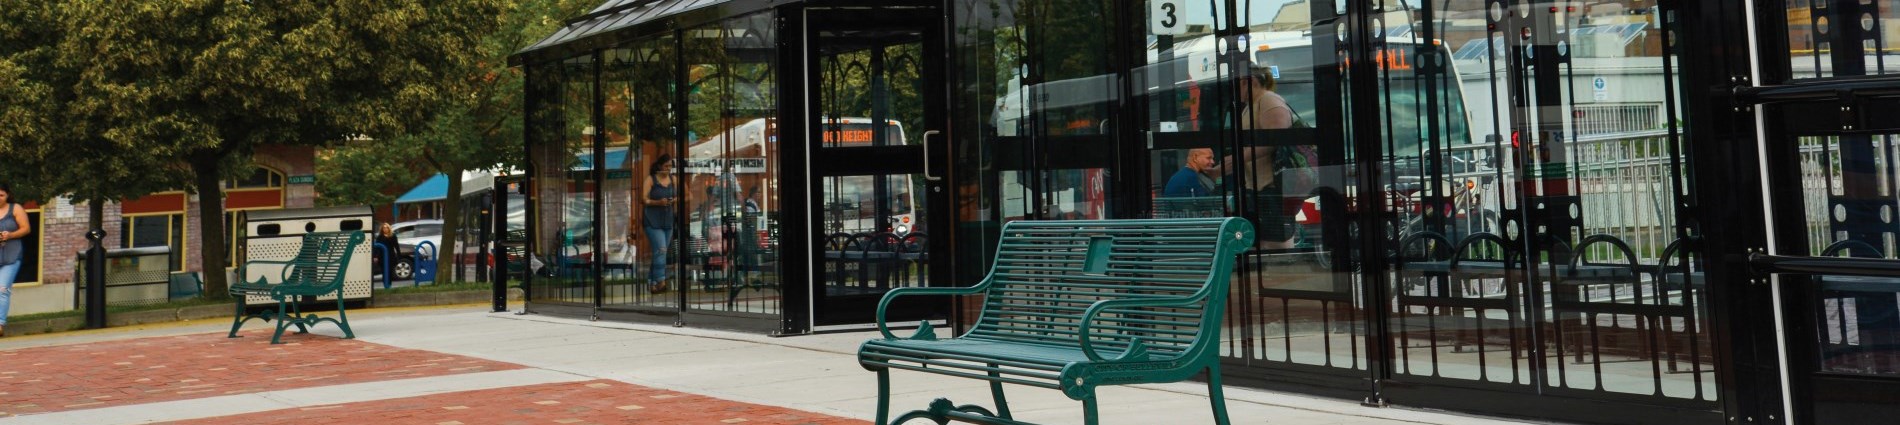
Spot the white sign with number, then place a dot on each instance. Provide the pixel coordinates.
(1166, 18)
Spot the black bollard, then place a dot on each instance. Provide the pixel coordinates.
(497, 229)
(96, 280)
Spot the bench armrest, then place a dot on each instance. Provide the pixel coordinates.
(1134, 347)
(885, 303)
(245, 267)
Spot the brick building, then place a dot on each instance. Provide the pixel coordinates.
(283, 177)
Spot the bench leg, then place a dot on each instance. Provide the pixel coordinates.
(343, 320)
(996, 391)
(1089, 415)
(1214, 395)
(883, 397)
(238, 320)
(282, 322)
(296, 314)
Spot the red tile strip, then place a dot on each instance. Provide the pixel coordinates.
(115, 373)
(589, 402)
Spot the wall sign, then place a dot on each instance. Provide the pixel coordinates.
(1165, 18)
(304, 179)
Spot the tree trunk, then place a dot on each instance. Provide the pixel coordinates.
(206, 170)
(451, 227)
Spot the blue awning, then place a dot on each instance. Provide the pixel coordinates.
(616, 159)
(436, 188)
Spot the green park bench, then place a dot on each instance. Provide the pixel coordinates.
(317, 270)
(1073, 305)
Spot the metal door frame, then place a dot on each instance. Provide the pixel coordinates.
(936, 200)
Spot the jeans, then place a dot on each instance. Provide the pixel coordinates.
(658, 240)
(7, 273)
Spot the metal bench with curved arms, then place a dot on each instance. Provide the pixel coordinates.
(318, 269)
(1074, 305)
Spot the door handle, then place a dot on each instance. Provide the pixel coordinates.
(927, 175)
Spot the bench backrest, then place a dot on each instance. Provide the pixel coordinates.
(1190, 207)
(1048, 273)
(323, 258)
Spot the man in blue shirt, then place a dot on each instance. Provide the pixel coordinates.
(1191, 180)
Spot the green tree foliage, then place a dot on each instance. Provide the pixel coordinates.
(202, 83)
(477, 126)
(59, 134)
(364, 173)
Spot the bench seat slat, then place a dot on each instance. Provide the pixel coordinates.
(913, 354)
(1089, 278)
(1011, 255)
(942, 371)
(1053, 356)
(1020, 287)
(1018, 301)
(1177, 268)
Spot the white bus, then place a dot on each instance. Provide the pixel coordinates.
(740, 156)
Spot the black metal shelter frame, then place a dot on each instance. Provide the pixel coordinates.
(1463, 258)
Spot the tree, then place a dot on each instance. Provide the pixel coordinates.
(364, 173)
(57, 133)
(475, 128)
(206, 82)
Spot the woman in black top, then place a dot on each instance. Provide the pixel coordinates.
(657, 219)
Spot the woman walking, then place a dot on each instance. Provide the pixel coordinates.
(13, 226)
(657, 219)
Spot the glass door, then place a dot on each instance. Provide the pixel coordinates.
(1833, 193)
(879, 160)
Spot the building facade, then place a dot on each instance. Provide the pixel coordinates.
(167, 219)
(1609, 212)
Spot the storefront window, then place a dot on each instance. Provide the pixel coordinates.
(155, 230)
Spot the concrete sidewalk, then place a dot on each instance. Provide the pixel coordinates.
(816, 373)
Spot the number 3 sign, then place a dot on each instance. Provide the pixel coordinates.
(1165, 19)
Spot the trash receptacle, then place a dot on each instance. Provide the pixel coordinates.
(277, 235)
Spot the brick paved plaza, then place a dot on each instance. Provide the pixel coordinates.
(463, 365)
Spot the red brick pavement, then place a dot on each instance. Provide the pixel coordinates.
(103, 374)
(590, 402)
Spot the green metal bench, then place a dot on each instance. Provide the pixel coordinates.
(317, 270)
(1073, 305)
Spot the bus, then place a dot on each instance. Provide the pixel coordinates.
(732, 166)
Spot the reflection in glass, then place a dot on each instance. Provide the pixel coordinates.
(728, 175)
(1851, 205)
(640, 267)
(564, 191)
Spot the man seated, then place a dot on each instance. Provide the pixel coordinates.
(1192, 180)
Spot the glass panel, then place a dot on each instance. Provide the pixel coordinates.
(1828, 38)
(641, 188)
(1549, 228)
(1271, 100)
(1458, 309)
(870, 97)
(564, 193)
(729, 173)
(1851, 203)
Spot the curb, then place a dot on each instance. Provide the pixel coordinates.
(210, 311)
(438, 298)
